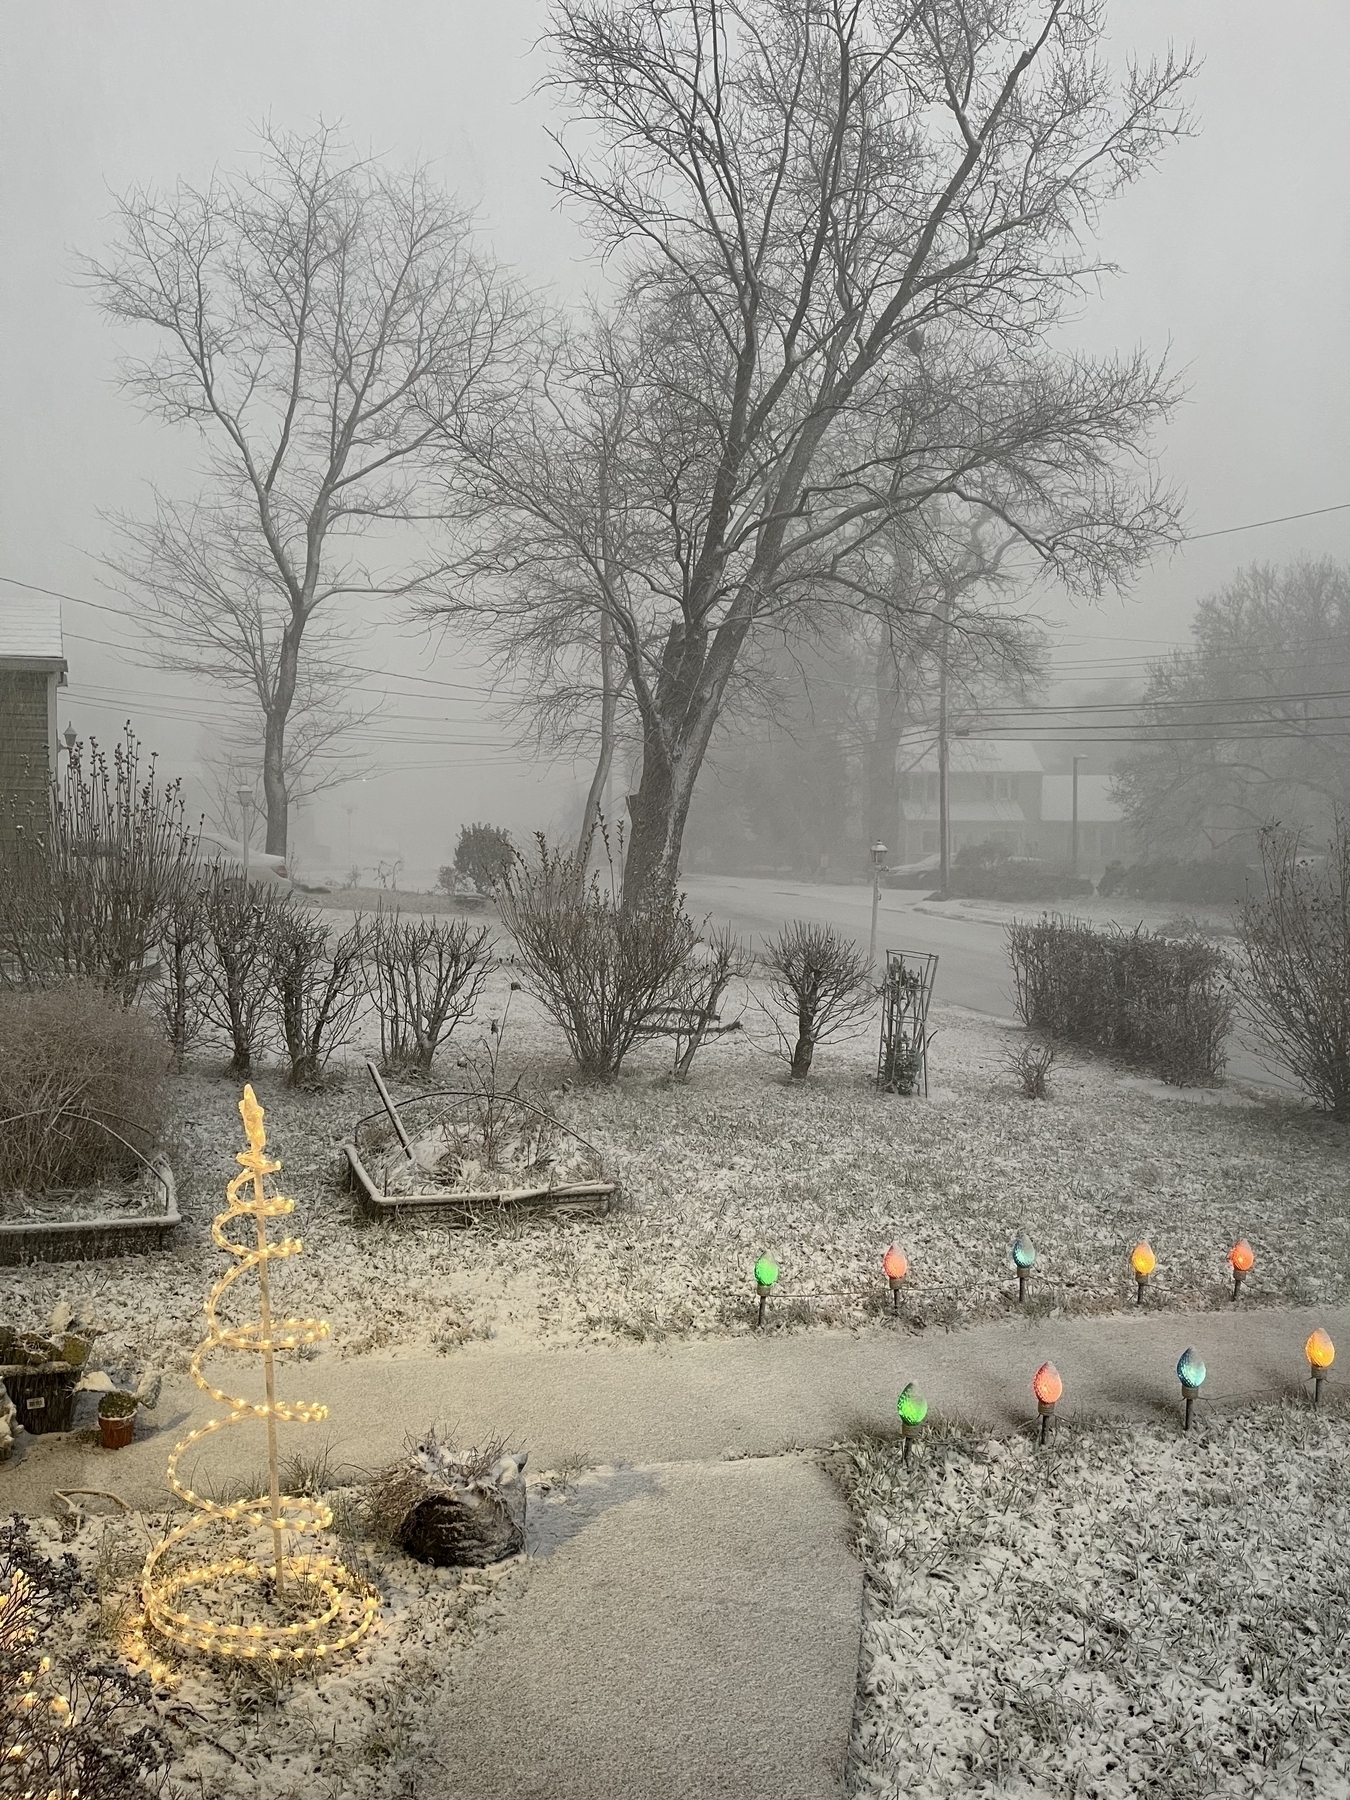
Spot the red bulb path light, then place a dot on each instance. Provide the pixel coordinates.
(1048, 1388)
(1143, 1262)
(895, 1265)
(1242, 1260)
(1321, 1353)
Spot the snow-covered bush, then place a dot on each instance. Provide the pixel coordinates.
(317, 988)
(424, 974)
(821, 979)
(484, 854)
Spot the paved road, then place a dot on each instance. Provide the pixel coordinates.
(973, 967)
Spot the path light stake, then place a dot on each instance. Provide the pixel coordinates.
(1242, 1258)
(896, 1265)
(1191, 1375)
(766, 1273)
(1024, 1260)
(1048, 1389)
(913, 1410)
(1143, 1262)
(1321, 1353)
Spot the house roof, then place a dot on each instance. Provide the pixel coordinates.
(30, 633)
(985, 756)
(1095, 805)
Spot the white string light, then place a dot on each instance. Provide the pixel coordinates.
(344, 1605)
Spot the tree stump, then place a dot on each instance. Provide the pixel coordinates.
(455, 1509)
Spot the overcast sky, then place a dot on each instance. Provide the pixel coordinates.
(1235, 253)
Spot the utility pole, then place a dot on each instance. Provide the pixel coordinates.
(944, 806)
(245, 796)
(1073, 852)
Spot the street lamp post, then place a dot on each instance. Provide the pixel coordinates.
(1073, 842)
(878, 851)
(245, 798)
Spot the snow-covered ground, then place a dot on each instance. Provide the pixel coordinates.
(739, 1161)
(1129, 1611)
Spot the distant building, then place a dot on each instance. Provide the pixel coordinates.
(32, 667)
(1000, 793)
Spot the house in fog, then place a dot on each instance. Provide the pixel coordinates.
(32, 667)
(1000, 793)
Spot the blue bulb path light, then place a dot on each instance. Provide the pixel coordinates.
(766, 1273)
(1191, 1374)
(913, 1410)
(1024, 1260)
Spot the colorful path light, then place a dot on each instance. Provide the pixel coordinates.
(1241, 1259)
(766, 1274)
(913, 1410)
(895, 1264)
(1191, 1373)
(1024, 1261)
(1143, 1262)
(1321, 1353)
(1048, 1388)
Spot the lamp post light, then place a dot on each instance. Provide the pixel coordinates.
(245, 798)
(878, 851)
(70, 740)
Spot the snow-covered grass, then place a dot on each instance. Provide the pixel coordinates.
(822, 1175)
(1129, 1611)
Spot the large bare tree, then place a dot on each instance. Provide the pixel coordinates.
(842, 233)
(322, 322)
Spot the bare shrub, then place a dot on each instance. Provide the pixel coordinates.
(601, 971)
(706, 980)
(823, 979)
(425, 974)
(1295, 971)
(180, 992)
(86, 883)
(80, 1078)
(1164, 1003)
(317, 989)
(1031, 1064)
(243, 925)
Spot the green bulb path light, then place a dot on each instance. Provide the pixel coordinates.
(913, 1410)
(1191, 1373)
(766, 1273)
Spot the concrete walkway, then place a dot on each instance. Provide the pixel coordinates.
(694, 1631)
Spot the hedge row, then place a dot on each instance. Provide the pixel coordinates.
(1159, 1002)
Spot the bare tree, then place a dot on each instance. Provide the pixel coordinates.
(320, 321)
(843, 233)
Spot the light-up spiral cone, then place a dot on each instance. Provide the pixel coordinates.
(343, 1605)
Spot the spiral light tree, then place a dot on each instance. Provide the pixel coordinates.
(325, 1607)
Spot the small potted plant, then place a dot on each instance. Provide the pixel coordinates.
(117, 1418)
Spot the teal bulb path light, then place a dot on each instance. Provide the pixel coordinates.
(913, 1410)
(766, 1273)
(1024, 1261)
(1191, 1374)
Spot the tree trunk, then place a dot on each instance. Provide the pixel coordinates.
(600, 781)
(275, 796)
(944, 783)
(805, 1049)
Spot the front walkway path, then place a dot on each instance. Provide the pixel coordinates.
(694, 1630)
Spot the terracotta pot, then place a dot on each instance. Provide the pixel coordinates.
(116, 1433)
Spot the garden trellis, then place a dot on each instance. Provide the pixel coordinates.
(905, 995)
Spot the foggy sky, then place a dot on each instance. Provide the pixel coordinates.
(1235, 256)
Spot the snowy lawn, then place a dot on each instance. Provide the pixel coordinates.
(821, 1175)
(1126, 1612)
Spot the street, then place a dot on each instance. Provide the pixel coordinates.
(973, 968)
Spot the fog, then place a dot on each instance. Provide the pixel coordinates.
(1233, 259)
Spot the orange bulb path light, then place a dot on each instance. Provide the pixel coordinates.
(1048, 1388)
(315, 1607)
(1242, 1260)
(1321, 1353)
(895, 1265)
(1143, 1262)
